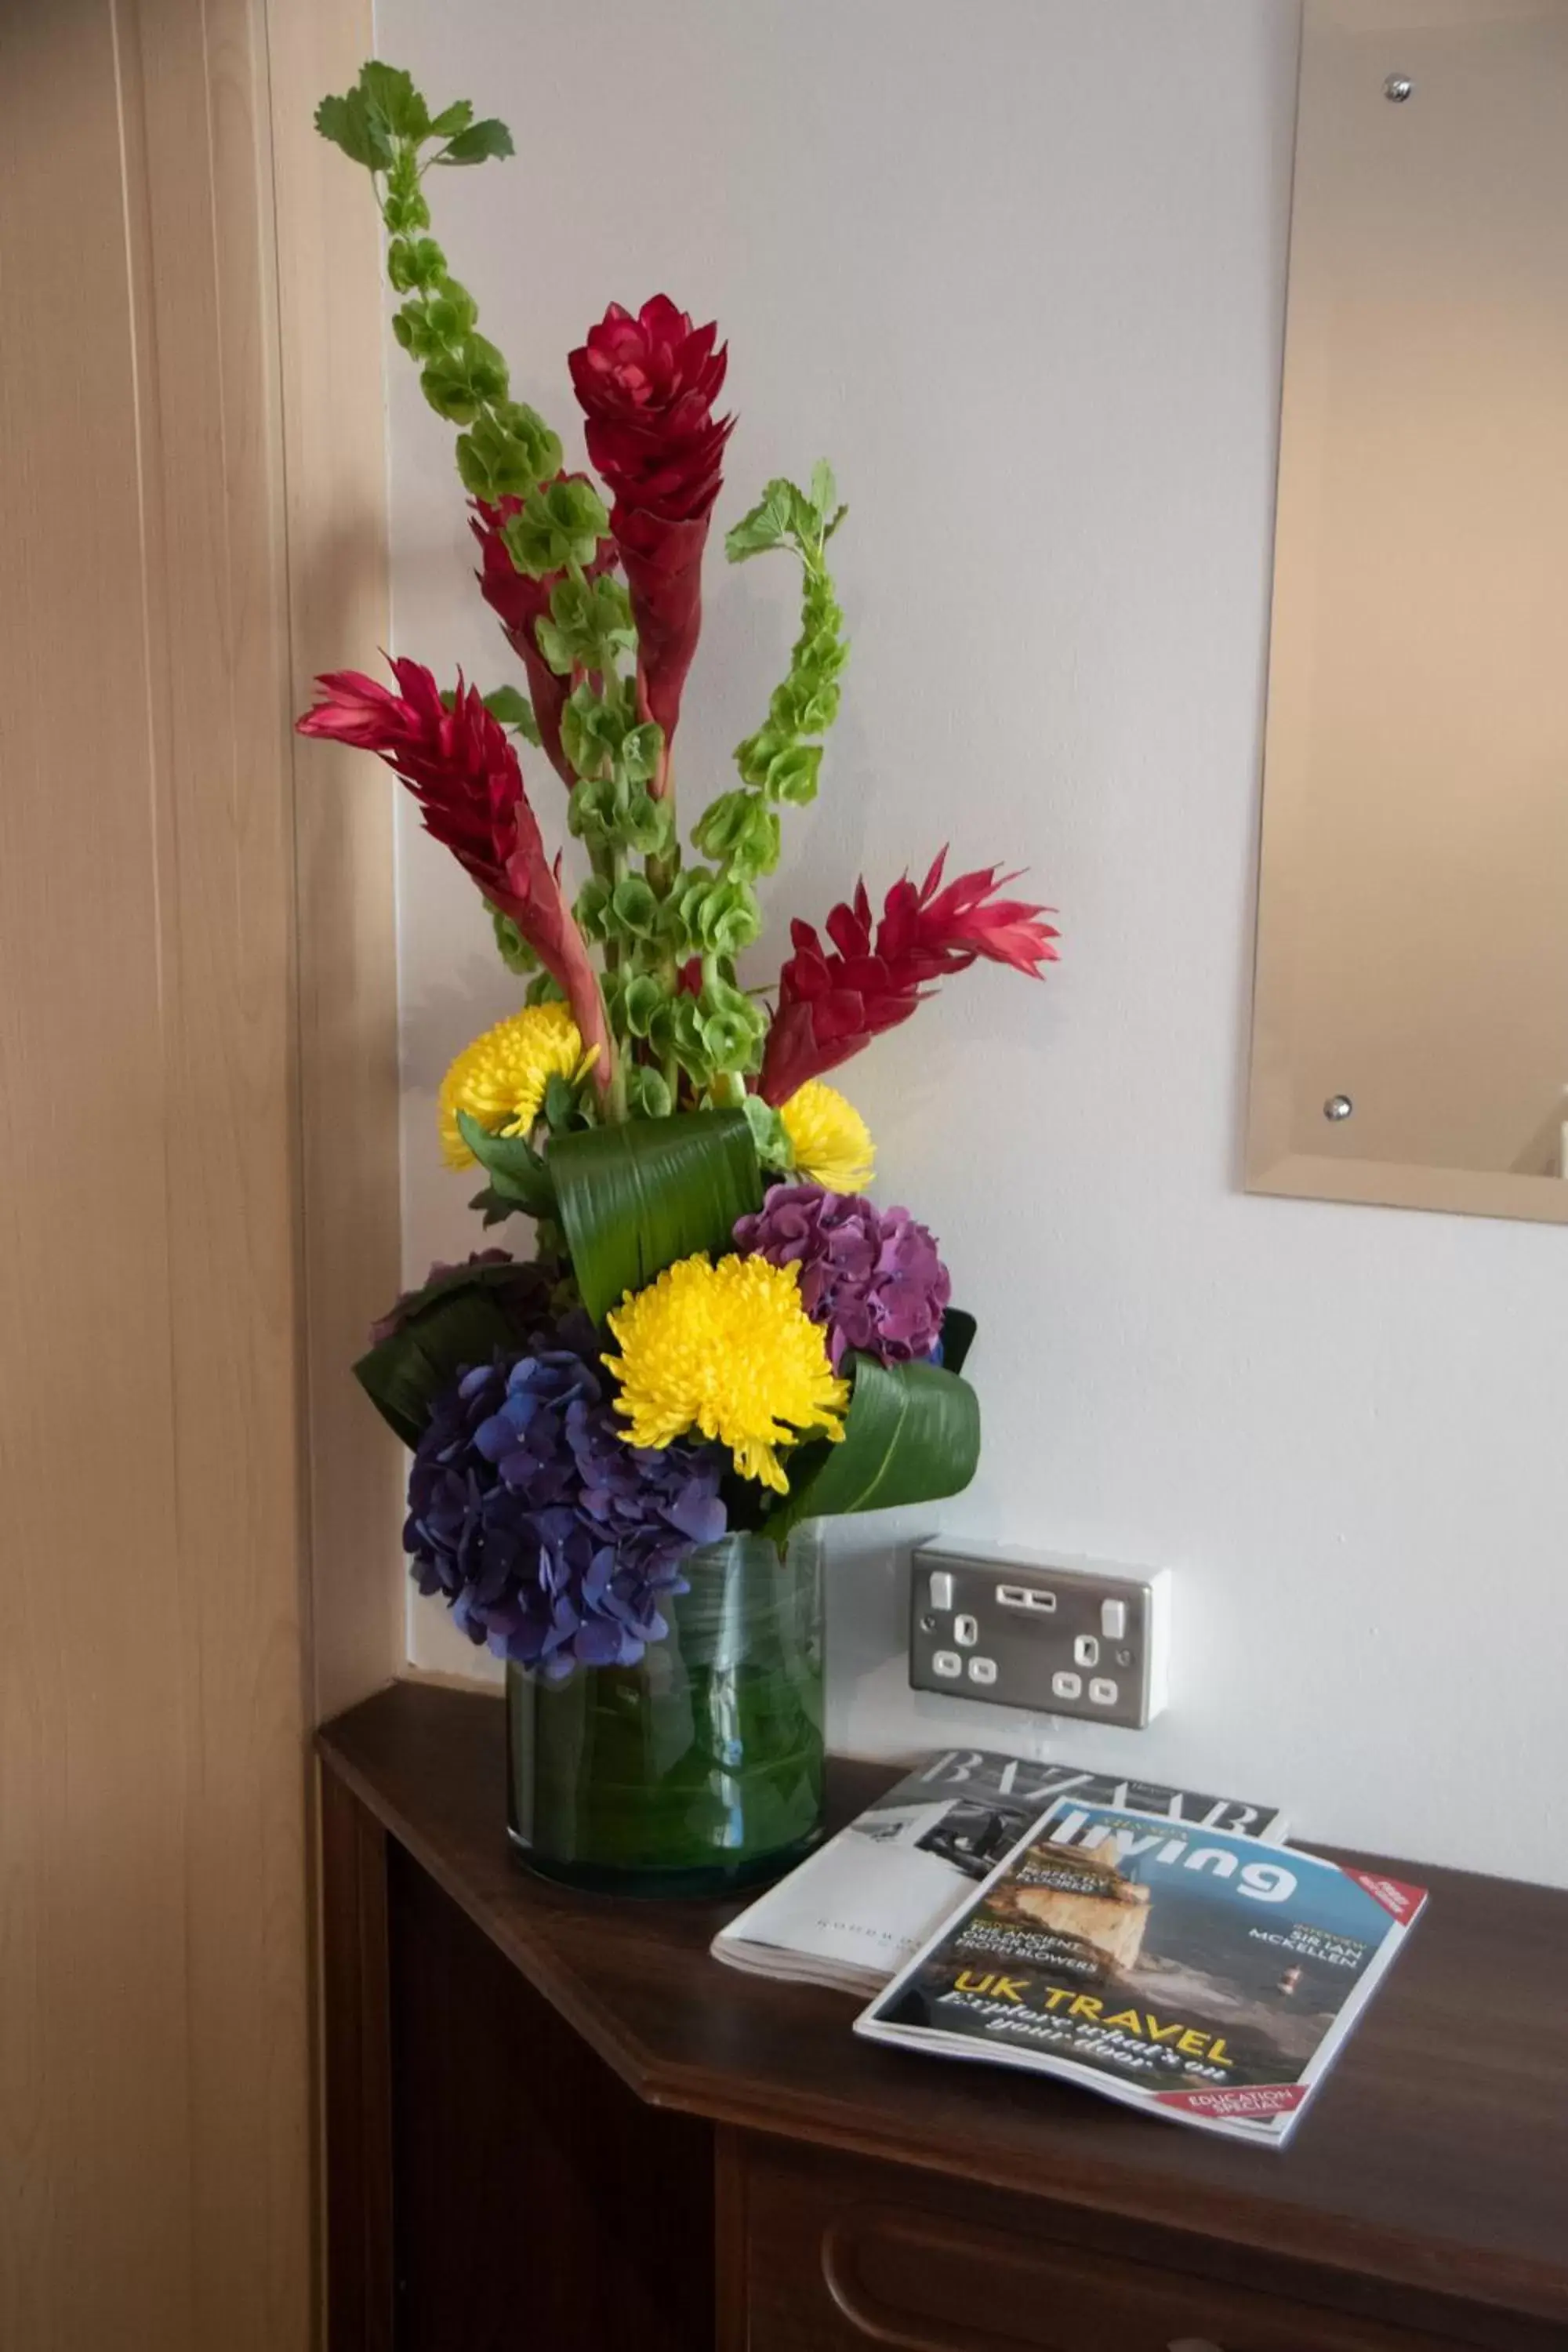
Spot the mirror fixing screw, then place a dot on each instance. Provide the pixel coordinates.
(1338, 1106)
(1397, 89)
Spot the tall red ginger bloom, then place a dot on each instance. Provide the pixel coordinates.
(519, 603)
(465, 775)
(831, 1004)
(646, 386)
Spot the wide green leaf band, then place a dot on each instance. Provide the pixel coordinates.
(913, 1435)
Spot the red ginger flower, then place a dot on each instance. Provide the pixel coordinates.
(465, 775)
(833, 1004)
(647, 386)
(519, 603)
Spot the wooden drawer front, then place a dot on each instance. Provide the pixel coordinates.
(838, 2257)
(914, 2279)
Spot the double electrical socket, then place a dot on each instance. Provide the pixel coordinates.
(1024, 1629)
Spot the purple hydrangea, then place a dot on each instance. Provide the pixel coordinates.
(870, 1276)
(550, 1537)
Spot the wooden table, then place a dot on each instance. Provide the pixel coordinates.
(555, 2122)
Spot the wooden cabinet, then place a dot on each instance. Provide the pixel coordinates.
(555, 2125)
(837, 2254)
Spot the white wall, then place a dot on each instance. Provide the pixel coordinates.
(1019, 269)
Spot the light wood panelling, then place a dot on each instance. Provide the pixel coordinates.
(329, 246)
(176, 1307)
(96, 1741)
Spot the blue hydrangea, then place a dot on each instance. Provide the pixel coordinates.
(550, 1536)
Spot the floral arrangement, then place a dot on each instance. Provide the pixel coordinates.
(718, 1329)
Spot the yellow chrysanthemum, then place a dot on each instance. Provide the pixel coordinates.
(501, 1078)
(729, 1352)
(832, 1142)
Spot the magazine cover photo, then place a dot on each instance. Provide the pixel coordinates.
(1191, 1970)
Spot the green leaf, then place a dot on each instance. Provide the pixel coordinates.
(591, 908)
(734, 1040)
(590, 623)
(634, 1198)
(793, 775)
(757, 753)
(823, 492)
(348, 123)
(402, 173)
(560, 1102)
(685, 1040)
(803, 704)
(494, 1207)
(389, 93)
(769, 1133)
(646, 825)
(913, 1435)
(477, 143)
(452, 119)
(514, 711)
(641, 749)
(733, 1026)
(592, 814)
(414, 265)
(558, 648)
(558, 525)
(649, 1093)
(958, 1332)
(513, 948)
(643, 999)
(457, 1322)
(405, 215)
(767, 526)
(412, 330)
(515, 1170)
(450, 313)
(723, 823)
(591, 731)
(727, 918)
(613, 609)
(635, 906)
(506, 451)
(682, 909)
(458, 383)
(740, 833)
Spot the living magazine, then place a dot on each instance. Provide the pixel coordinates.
(1184, 1970)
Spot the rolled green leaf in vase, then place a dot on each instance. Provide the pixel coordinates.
(627, 1449)
(698, 1769)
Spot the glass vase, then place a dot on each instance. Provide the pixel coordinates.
(701, 1769)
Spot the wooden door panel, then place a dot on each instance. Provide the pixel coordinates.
(95, 2065)
(155, 2101)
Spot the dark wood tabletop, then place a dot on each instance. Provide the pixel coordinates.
(1434, 2155)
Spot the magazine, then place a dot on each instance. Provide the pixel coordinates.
(1193, 1974)
(854, 1912)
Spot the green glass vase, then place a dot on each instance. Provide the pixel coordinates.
(698, 1769)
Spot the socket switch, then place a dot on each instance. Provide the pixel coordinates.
(1057, 1636)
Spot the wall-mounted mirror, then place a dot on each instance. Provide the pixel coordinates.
(1410, 1039)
